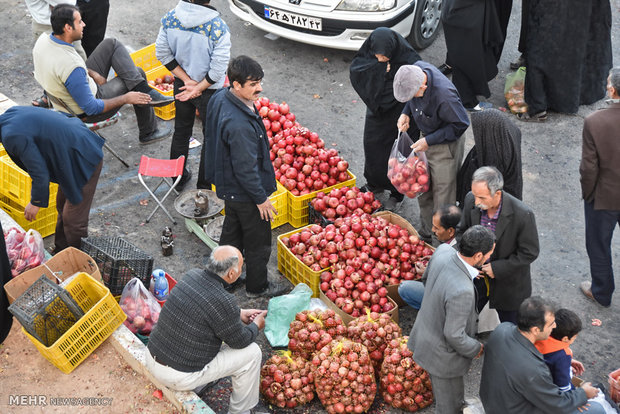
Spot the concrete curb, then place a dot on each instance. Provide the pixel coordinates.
(132, 350)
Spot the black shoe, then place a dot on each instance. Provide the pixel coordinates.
(366, 188)
(517, 63)
(274, 289)
(445, 69)
(162, 131)
(158, 99)
(393, 203)
(187, 175)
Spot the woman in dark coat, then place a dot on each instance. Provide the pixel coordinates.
(474, 41)
(372, 74)
(497, 143)
(568, 55)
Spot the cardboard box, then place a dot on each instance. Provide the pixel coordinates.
(393, 294)
(346, 318)
(62, 266)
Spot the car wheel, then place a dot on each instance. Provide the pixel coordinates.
(425, 23)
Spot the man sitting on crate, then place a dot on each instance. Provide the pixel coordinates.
(83, 86)
(54, 147)
(185, 349)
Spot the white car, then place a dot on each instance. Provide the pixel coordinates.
(342, 24)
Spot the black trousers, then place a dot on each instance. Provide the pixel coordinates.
(184, 124)
(95, 16)
(248, 232)
(524, 16)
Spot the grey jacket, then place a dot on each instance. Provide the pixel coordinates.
(516, 379)
(442, 338)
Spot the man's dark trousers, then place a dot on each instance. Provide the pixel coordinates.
(185, 114)
(72, 222)
(112, 54)
(600, 226)
(95, 16)
(247, 231)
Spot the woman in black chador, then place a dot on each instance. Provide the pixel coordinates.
(568, 55)
(474, 41)
(372, 74)
(497, 143)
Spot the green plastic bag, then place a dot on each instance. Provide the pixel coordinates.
(514, 91)
(281, 312)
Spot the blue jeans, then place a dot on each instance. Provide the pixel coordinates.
(594, 408)
(412, 292)
(600, 226)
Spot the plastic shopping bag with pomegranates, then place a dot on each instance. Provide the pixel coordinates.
(140, 306)
(407, 170)
(24, 249)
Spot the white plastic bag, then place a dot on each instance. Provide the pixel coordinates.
(140, 306)
(407, 170)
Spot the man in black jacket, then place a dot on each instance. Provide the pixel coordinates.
(185, 349)
(239, 165)
(515, 377)
(507, 275)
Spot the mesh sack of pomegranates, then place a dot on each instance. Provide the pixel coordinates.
(287, 380)
(408, 170)
(140, 306)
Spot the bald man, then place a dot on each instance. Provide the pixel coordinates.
(185, 349)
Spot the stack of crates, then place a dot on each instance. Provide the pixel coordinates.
(145, 58)
(15, 189)
(119, 261)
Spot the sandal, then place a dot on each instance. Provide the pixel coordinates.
(41, 102)
(539, 117)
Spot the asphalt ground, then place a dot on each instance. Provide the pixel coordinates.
(314, 82)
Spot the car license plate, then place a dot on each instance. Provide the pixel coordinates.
(293, 19)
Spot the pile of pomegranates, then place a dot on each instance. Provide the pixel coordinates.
(299, 158)
(344, 202)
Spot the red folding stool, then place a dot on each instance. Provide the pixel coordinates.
(153, 167)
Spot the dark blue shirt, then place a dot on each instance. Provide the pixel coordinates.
(51, 147)
(439, 113)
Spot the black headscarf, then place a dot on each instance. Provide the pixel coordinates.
(370, 78)
(498, 144)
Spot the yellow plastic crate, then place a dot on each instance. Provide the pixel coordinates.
(102, 316)
(298, 205)
(279, 199)
(2, 150)
(45, 223)
(294, 269)
(16, 184)
(166, 112)
(145, 58)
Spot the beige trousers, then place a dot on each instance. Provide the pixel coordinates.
(243, 365)
(444, 161)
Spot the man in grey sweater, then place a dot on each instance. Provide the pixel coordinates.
(185, 349)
